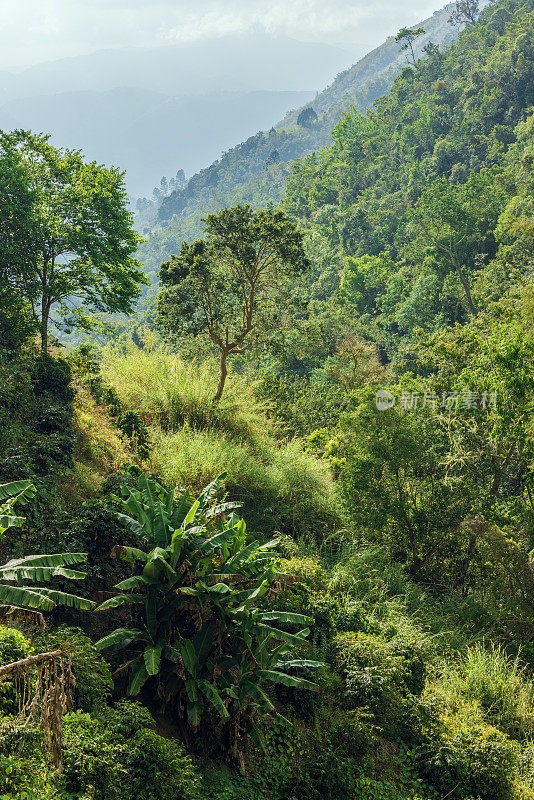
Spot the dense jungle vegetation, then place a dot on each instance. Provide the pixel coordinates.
(274, 537)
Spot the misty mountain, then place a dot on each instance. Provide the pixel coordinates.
(255, 171)
(230, 63)
(149, 134)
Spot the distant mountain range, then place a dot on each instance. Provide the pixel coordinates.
(255, 171)
(147, 133)
(152, 111)
(234, 63)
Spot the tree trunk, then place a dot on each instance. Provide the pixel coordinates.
(465, 284)
(45, 314)
(222, 378)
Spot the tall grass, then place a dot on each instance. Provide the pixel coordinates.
(281, 486)
(165, 391)
(497, 684)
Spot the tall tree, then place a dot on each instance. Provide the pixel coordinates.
(77, 243)
(465, 13)
(408, 36)
(456, 222)
(233, 281)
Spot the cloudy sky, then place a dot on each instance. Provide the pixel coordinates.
(39, 30)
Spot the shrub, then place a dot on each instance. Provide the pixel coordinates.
(137, 433)
(121, 761)
(475, 760)
(54, 419)
(92, 673)
(13, 647)
(52, 377)
(158, 769)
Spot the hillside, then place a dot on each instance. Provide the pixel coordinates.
(246, 168)
(276, 541)
(116, 126)
(256, 171)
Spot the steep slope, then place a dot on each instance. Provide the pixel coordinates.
(147, 133)
(255, 170)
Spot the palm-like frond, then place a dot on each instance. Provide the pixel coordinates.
(22, 490)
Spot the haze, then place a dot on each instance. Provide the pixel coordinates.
(40, 30)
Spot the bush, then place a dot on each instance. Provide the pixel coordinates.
(474, 760)
(121, 761)
(137, 433)
(54, 419)
(158, 769)
(13, 647)
(92, 673)
(52, 377)
(95, 530)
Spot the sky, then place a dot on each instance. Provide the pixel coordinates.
(32, 31)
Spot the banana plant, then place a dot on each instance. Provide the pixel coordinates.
(200, 628)
(18, 575)
(10, 494)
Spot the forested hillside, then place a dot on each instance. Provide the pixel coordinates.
(256, 171)
(274, 540)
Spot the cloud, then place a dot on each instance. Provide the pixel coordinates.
(37, 30)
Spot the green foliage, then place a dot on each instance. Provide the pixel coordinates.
(280, 486)
(13, 647)
(234, 281)
(66, 206)
(117, 760)
(91, 672)
(200, 562)
(474, 760)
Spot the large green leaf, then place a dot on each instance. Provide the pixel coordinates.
(22, 490)
(276, 633)
(138, 677)
(287, 680)
(194, 711)
(129, 554)
(189, 656)
(203, 641)
(119, 600)
(285, 616)
(152, 658)
(46, 560)
(121, 637)
(26, 598)
(133, 525)
(9, 521)
(39, 573)
(211, 692)
(63, 598)
(257, 694)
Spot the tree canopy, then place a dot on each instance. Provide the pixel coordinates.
(234, 282)
(67, 236)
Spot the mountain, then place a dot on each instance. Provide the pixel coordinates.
(147, 133)
(255, 171)
(231, 63)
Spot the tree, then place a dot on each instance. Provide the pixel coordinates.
(465, 13)
(408, 36)
(201, 628)
(458, 221)
(77, 241)
(307, 118)
(233, 281)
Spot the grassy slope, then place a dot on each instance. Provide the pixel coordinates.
(280, 485)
